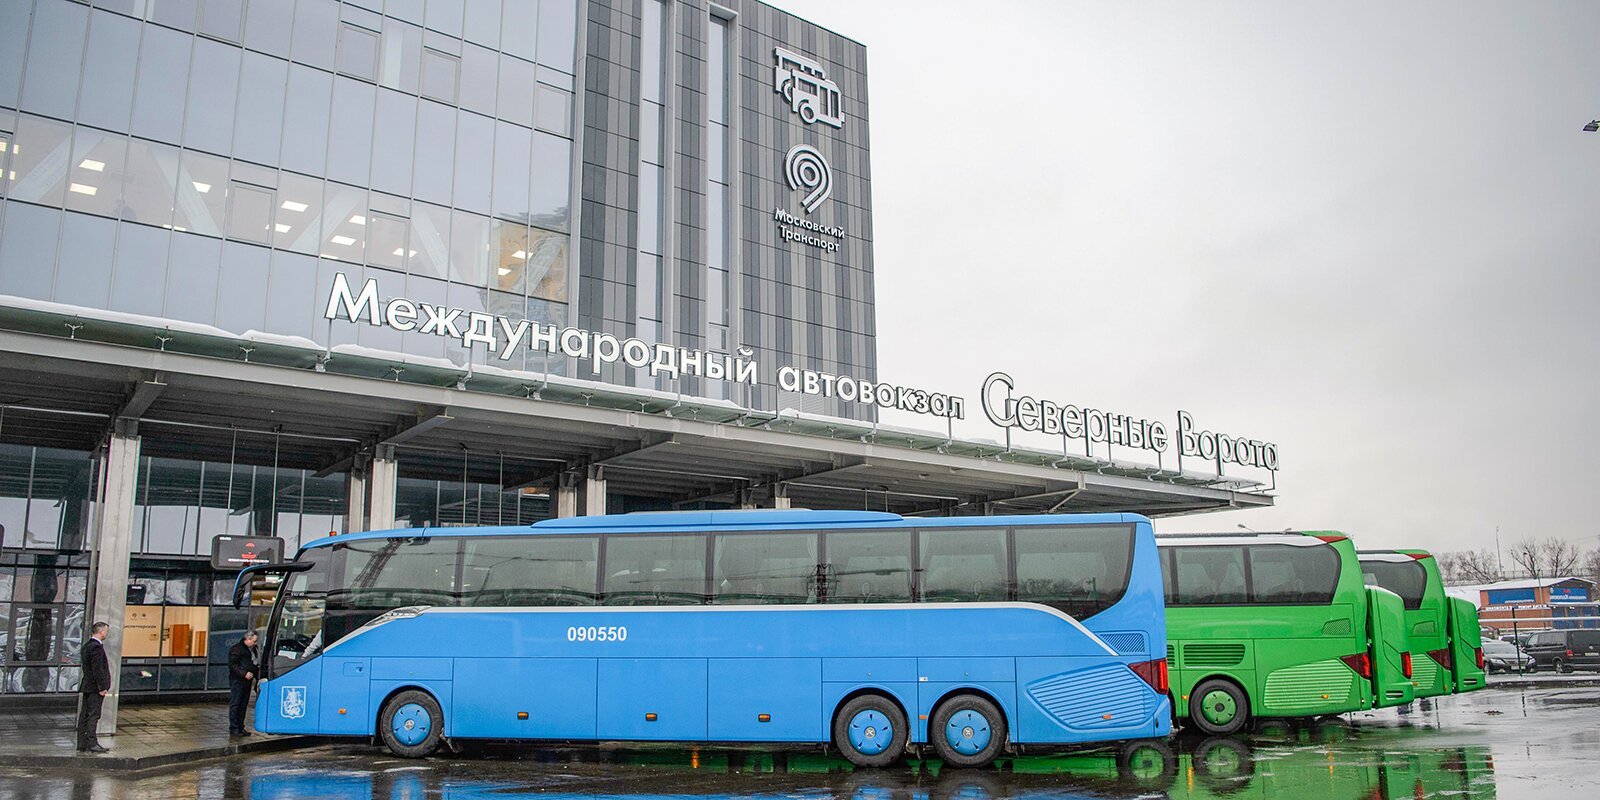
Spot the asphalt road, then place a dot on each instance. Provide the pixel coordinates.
(1498, 743)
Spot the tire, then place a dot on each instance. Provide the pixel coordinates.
(1224, 765)
(1561, 666)
(411, 724)
(1218, 708)
(967, 731)
(859, 728)
(1147, 764)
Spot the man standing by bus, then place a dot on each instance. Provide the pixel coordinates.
(93, 687)
(241, 676)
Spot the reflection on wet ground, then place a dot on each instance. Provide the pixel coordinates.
(1495, 744)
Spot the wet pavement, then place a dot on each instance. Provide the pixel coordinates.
(147, 736)
(1498, 743)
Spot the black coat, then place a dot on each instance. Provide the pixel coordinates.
(96, 669)
(240, 661)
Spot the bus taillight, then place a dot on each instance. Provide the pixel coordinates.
(1478, 655)
(1442, 656)
(1405, 664)
(1360, 663)
(1153, 673)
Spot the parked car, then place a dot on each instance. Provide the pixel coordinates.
(1565, 650)
(1501, 656)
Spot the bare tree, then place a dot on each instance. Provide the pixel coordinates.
(1528, 554)
(1591, 564)
(1470, 566)
(1561, 557)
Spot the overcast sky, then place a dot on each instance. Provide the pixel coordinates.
(1368, 232)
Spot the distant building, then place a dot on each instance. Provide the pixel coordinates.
(1563, 602)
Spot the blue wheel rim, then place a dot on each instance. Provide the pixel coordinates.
(870, 732)
(411, 724)
(967, 732)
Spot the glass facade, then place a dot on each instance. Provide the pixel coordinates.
(218, 163)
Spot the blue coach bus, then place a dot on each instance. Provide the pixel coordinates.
(865, 630)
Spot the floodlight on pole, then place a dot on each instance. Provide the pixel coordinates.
(1594, 125)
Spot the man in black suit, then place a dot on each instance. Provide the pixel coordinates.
(241, 676)
(93, 688)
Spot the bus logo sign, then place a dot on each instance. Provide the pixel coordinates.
(804, 83)
(292, 703)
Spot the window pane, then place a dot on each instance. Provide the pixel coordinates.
(28, 253)
(94, 176)
(530, 571)
(107, 97)
(558, 33)
(305, 133)
(316, 32)
(552, 180)
(430, 238)
(140, 274)
(1407, 579)
(298, 225)
(1079, 569)
(401, 59)
(358, 52)
(40, 154)
(765, 568)
(244, 272)
(554, 112)
(474, 141)
(191, 294)
(469, 249)
(221, 18)
(344, 223)
(482, 23)
(868, 566)
(511, 153)
(13, 44)
(34, 630)
(547, 265)
(384, 574)
(267, 28)
(163, 67)
(655, 570)
(386, 243)
(148, 189)
(965, 565)
(517, 83)
(436, 137)
(479, 79)
(250, 217)
(1211, 575)
(350, 144)
(508, 254)
(392, 137)
(520, 31)
(213, 85)
(259, 124)
(202, 201)
(54, 60)
(87, 244)
(291, 301)
(439, 71)
(1285, 574)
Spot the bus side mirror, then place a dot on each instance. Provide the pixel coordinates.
(247, 576)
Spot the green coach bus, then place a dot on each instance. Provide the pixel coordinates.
(1442, 630)
(1277, 625)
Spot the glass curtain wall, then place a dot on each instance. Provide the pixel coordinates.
(651, 280)
(218, 163)
(718, 197)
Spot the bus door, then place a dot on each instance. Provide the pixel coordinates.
(1466, 646)
(1389, 649)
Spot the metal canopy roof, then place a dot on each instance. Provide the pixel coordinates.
(301, 406)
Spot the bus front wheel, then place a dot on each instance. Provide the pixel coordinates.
(1218, 708)
(871, 731)
(968, 731)
(411, 724)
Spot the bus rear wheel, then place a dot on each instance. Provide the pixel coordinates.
(1218, 708)
(411, 724)
(968, 731)
(871, 731)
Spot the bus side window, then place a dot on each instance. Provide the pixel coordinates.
(868, 566)
(764, 568)
(1210, 575)
(655, 570)
(964, 564)
(530, 571)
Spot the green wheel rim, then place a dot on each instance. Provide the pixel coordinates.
(1218, 707)
(1223, 761)
(1146, 763)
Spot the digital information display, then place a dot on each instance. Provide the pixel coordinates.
(238, 552)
